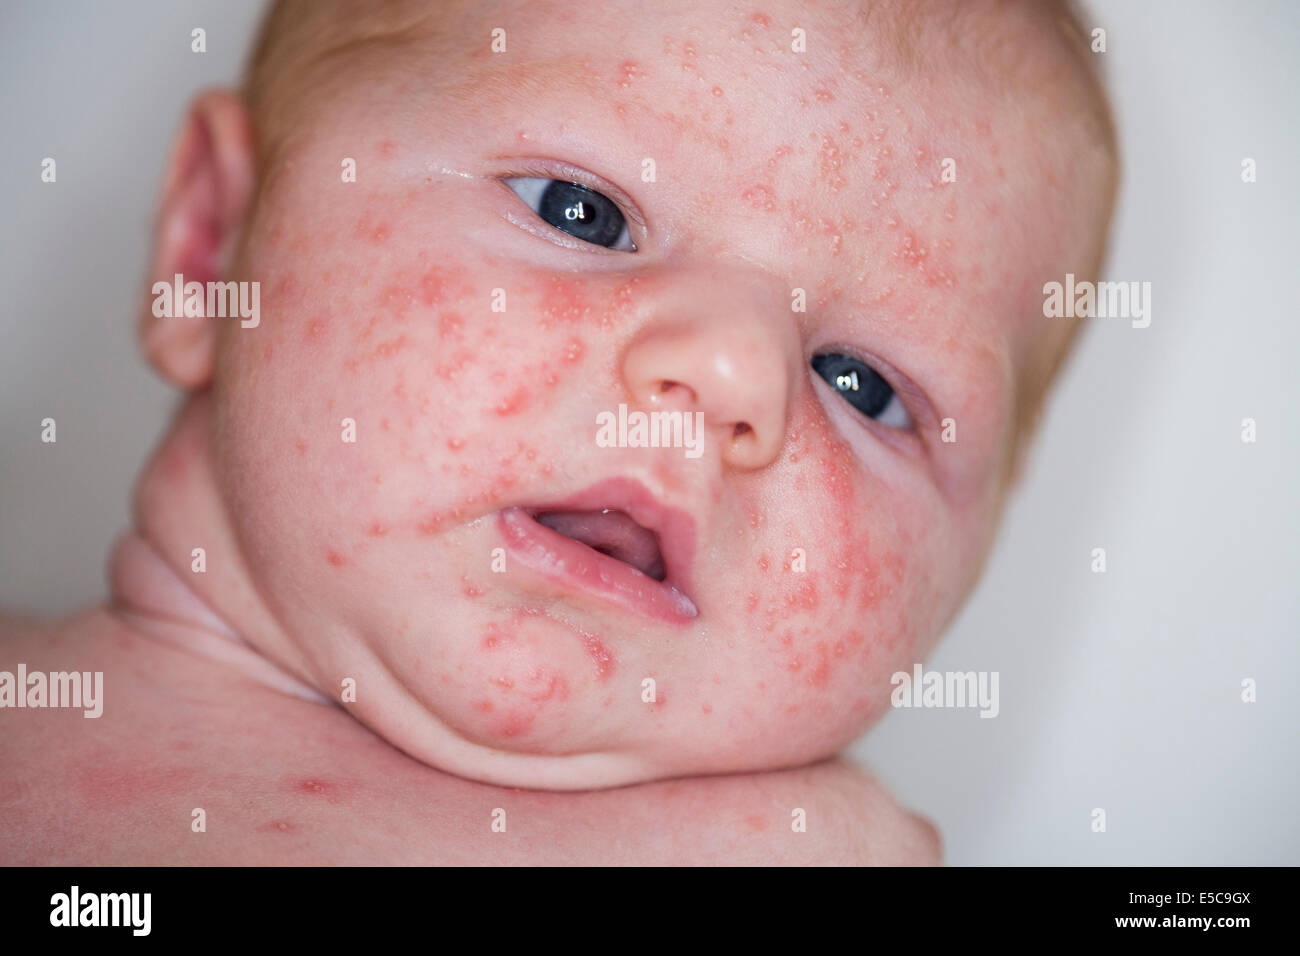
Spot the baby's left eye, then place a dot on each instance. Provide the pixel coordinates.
(863, 388)
(575, 209)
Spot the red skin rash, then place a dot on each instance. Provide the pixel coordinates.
(519, 699)
(123, 785)
(760, 197)
(600, 656)
(512, 404)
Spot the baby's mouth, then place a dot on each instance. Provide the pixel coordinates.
(615, 542)
(610, 532)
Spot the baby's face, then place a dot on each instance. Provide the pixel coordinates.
(767, 228)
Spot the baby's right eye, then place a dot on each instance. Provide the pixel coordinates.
(575, 209)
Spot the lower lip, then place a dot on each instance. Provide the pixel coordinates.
(578, 567)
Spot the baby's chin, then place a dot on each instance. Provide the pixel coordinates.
(531, 694)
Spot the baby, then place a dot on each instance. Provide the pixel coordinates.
(618, 395)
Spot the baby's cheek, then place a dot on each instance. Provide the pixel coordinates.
(444, 365)
(826, 613)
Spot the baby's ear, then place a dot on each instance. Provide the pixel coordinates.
(206, 190)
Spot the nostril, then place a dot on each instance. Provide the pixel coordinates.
(680, 392)
(740, 429)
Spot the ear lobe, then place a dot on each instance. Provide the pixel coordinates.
(206, 191)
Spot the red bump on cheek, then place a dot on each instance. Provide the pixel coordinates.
(629, 71)
(433, 286)
(386, 350)
(492, 639)
(375, 233)
(277, 826)
(599, 655)
(451, 325)
(515, 723)
(336, 559)
(563, 301)
(759, 197)
(284, 289)
(431, 523)
(316, 331)
(512, 404)
(833, 160)
(573, 351)
(803, 598)
(822, 671)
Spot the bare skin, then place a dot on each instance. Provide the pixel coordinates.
(286, 781)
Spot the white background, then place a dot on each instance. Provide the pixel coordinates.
(1119, 691)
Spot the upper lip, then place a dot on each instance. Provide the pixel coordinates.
(673, 527)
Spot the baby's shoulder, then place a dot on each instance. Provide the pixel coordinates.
(86, 741)
(42, 737)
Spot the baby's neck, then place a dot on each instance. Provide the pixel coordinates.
(154, 601)
(157, 593)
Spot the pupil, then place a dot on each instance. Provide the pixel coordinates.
(581, 212)
(856, 381)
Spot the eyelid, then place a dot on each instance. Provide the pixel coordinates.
(567, 172)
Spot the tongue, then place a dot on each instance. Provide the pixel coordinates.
(612, 533)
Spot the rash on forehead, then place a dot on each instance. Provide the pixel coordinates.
(694, 72)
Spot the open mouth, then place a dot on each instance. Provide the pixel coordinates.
(610, 532)
(629, 550)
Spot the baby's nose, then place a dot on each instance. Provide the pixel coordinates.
(724, 344)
